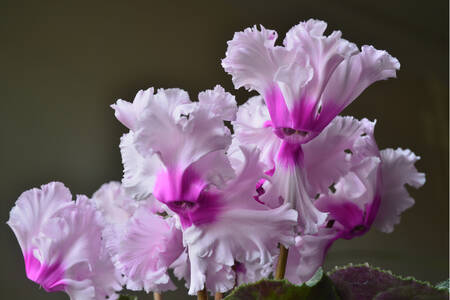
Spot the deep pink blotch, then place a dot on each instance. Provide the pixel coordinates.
(185, 193)
(50, 277)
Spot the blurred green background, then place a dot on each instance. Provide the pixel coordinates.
(63, 64)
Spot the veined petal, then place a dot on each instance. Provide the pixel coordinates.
(308, 254)
(190, 138)
(307, 83)
(140, 172)
(252, 271)
(325, 52)
(244, 230)
(235, 236)
(128, 113)
(397, 170)
(352, 77)
(356, 199)
(147, 249)
(205, 273)
(34, 208)
(114, 203)
(219, 103)
(252, 128)
(252, 59)
(289, 185)
(329, 156)
(66, 251)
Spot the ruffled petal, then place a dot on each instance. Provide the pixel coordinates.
(236, 236)
(147, 249)
(308, 255)
(352, 77)
(128, 113)
(252, 271)
(308, 82)
(289, 185)
(114, 203)
(253, 60)
(34, 208)
(139, 174)
(190, 138)
(66, 251)
(219, 103)
(325, 52)
(215, 168)
(202, 273)
(397, 170)
(356, 198)
(252, 128)
(244, 230)
(333, 153)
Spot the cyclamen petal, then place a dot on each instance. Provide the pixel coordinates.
(149, 245)
(215, 277)
(64, 250)
(34, 208)
(309, 81)
(244, 231)
(139, 174)
(308, 254)
(252, 127)
(129, 113)
(114, 203)
(177, 169)
(190, 138)
(289, 184)
(397, 170)
(332, 154)
(219, 103)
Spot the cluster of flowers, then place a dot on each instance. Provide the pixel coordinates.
(214, 206)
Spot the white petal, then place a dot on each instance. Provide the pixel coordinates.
(253, 60)
(251, 130)
(219, 103)
(115, 204)
(308, 255)
(147, 249)
(129, 113)
(325, 52)
(190, 138)
(140, 172)
(34, 208)
(397, 170)
(355, 74)
(332, 154)
(289, 185)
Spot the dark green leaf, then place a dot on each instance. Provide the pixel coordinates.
(128, 297)
(412, 292)
(444, 285)
(362, 282)
(283, 290)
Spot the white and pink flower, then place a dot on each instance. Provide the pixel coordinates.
(61, 241)
(309, 80)
(191, 174)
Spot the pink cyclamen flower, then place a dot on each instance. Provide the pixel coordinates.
(363, 187)
(286, 179)
(188, 170)
(62, 243)
(309, 80)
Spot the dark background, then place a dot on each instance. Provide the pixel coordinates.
(62, 64)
